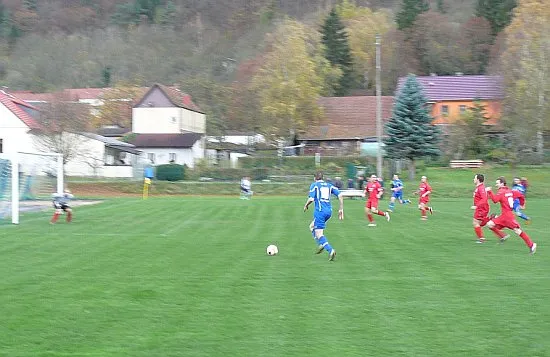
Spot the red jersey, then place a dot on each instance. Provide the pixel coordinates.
(505, 197)
(424, 188)
(480, 198)
(373, 190)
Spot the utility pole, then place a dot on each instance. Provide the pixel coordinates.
(378, 110)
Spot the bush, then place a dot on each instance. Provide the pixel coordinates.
(170, 172)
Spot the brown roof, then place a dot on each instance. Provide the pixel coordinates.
(348, 118)
(186, 140)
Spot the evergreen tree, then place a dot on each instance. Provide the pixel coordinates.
(337, 52)
(497, 12)
(410, 9)
(410, 133)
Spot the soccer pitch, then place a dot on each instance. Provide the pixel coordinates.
(188, 276)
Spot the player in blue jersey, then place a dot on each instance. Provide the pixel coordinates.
(319, 194)
(397, 193)
(518, 186)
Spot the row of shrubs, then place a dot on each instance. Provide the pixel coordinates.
(261, 168)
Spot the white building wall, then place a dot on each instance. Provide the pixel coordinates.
(166, 121)
(14, 133)
(90, 160)
(183, 156)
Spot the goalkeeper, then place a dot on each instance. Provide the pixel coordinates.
(61, 204)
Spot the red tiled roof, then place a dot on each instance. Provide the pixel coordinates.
(15, 105)
(69, 93)
(186, 140)
(464, 87)
(348, 118)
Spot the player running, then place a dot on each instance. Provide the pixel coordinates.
(518, 186)
(319, 193)
(61, 204)
(397, 193)
(424, 190)
(481, 207)
(507, 219)
(374, 191)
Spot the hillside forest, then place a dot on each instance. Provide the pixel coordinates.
(261, 64)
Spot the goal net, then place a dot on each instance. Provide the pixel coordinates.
(27, 182)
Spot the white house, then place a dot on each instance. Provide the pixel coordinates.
(231, 147)
(168, 127)
(93, 155)
(102, 157)
(16, 124)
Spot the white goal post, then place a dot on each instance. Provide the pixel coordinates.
(23, 176)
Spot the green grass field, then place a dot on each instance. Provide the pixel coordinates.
(188, 276)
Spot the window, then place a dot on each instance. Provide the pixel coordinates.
(462, 109)
(1, 146)
(151, 157)
(445, 110)
(172, 157)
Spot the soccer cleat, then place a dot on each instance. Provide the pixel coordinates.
(424, 218)
(533, 248)
(372, 224)
(320, 249)
(390, 210)
(332, 255)
(503, 239)
(480, 241)
(528, 221)
(431, 210)
(387, 215)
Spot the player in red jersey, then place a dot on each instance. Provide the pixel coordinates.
(507, 219)
(481, 207)
(424, 190)
(374, 191)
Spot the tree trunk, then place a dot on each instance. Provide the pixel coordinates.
(412, 169)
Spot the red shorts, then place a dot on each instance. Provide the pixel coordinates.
(424, 200)
(506, 221)
(372, 202)
(481, 214)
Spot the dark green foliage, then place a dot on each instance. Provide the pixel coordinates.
(106, 76)
(498, 12)
(337, 52)
(410, 9)
(410, 133)
(170, 172)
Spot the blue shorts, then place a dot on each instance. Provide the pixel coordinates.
(397, 194)
(320, 219)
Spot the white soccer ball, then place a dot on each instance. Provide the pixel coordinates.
(272, 249)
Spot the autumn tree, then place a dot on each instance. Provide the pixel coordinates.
(62, 119)
(117, 105)
(291, 80)
(525, 67)
(362, 25)
(475, 45)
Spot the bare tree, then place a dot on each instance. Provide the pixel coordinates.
(62, 119)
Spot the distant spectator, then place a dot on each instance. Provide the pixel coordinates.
(338, 182)
(351, 186)
(360, 182)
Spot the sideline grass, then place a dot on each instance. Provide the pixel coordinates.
(184, 276)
